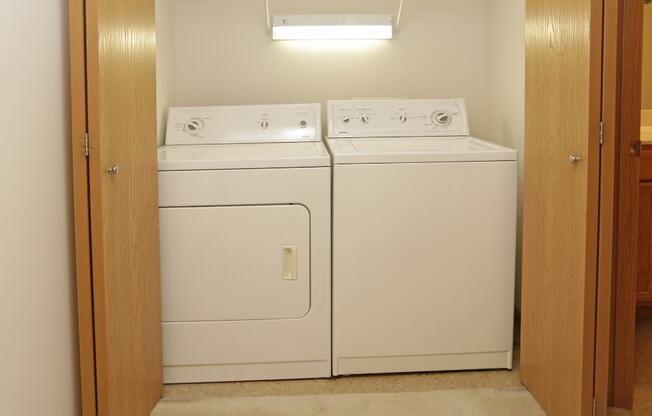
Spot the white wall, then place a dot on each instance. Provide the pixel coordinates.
(38, 356)
(220, 53)
(507, 86)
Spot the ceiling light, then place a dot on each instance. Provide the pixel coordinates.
(332, 27)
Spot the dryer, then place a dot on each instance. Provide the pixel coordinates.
(424, 239)
(245, 222)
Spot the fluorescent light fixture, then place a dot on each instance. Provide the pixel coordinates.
(332, 27)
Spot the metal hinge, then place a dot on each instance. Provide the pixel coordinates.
(601, 133)
(87, 146)
(595, 407)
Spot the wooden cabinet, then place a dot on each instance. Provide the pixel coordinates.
(644, 286)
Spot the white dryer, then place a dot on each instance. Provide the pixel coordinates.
(424, 239)
(245, 215)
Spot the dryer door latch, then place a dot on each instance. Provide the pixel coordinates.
(289, 262)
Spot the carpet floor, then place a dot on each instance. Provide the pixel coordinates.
(643, 386)
(473, 402)
(473, 393)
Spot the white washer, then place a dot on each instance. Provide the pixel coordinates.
(245, 214)
(424, 239)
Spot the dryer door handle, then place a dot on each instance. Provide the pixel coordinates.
(289, 263)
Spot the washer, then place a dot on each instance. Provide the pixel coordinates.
(245, 215)
(424, 239)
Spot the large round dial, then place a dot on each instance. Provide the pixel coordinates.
(194, 126)
(365, 119)
(442, 118)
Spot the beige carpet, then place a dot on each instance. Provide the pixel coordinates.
(474, 402)
(387, 383)
(643, 386)
(473, 393)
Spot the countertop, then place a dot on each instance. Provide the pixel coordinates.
(646, 126)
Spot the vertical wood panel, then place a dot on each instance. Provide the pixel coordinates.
(124, 211)
(77, 36)
(608, 220)
(563, 81)
(629, 122)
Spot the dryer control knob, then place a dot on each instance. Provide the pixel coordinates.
(264, 124)
(365, 119)
(403, 118)
(442, 118)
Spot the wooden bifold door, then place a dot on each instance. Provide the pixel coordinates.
(113, 89)
(113, 86)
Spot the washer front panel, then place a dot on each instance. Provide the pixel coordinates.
(397, 118)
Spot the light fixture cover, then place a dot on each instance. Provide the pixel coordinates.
(332, 27)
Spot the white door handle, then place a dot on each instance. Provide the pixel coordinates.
(289, 263)
(574, 159)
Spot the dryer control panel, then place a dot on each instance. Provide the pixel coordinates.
(243, 124)
(397, 118)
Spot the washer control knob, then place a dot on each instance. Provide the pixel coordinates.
(346, 120)
(442, 118)
(365, 119)
(403, 118)
(303, 124)
(264, 124)
(194, 126)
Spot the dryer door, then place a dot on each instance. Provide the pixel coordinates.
(235, 263)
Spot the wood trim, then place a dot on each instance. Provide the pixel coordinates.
(644, 311)
(96, 200)
(629, 114)
(77, 39)
(593, 246)
(603, 390)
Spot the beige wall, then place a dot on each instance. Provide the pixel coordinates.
(218, 52)
(38, 363)
(647, 59)
(507, 85)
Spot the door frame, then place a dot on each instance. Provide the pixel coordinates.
(81, 205)
(628, 112)
(616, 305)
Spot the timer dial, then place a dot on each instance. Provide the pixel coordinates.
(442, 118)
(194, 126)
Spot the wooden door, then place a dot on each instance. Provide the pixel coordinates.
(116, 205)
(644, 282)
(560, 218)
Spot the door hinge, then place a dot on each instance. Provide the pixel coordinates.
(595, 407)
(87, 146)
(601, 133)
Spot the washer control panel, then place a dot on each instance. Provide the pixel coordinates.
(397, 118)
(243, 124)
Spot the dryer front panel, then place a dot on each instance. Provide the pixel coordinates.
(233, 263)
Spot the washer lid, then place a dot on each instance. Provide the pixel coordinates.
(417, 150)
(243, 156)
